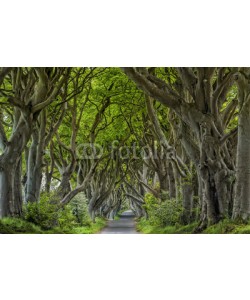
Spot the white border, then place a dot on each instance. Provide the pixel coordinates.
(124, 33)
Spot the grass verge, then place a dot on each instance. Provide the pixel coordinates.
(223, 227)
(143, 226)
(20, 226)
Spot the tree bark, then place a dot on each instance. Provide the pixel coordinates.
(10, 190)
(242, 193)
(10, 170)
(171, 182)
(34, 172)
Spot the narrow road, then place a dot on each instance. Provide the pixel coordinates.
(125, 225)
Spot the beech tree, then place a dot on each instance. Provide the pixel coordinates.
(197, 95)
(242, 189)
(32, 90)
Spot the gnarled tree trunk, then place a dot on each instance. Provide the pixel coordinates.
(242, 190)
(10, 172)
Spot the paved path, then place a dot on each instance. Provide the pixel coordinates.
(125, 225)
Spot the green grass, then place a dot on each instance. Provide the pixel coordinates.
(18, 226)
(242, 229)
(89, 229)
(228, 227)
(224, 227)
(143, 226)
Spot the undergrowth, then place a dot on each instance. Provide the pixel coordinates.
(223, 227)
(48, 217)
(166, 218)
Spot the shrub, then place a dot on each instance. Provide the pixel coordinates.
(79, 208)
(44, 213)
(72, 218)
(66, 218)
(164, 213)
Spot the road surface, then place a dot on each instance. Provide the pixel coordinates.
(125, 225)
